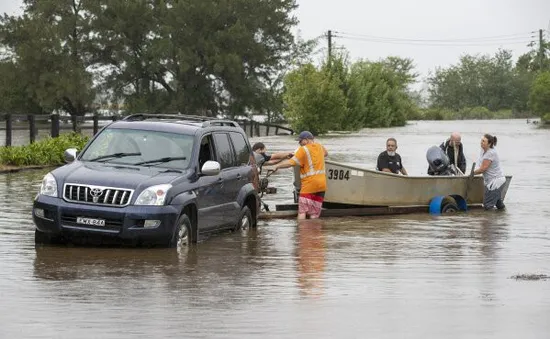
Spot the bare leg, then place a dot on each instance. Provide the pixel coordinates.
(301, 216)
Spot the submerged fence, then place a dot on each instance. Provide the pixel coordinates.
(23, 129)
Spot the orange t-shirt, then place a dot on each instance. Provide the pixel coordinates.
(311, 159)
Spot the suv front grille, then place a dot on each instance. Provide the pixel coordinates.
(97, 195)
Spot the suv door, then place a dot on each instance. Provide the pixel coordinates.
(232, 176)
(210, 197)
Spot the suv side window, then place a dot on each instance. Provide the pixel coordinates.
(241, 149)
(224, 151)
(206, 151)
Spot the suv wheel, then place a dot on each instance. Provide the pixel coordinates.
(182, 233)
(245, 221)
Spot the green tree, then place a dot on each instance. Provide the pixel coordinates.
(50, 44)
(209, 57)
(539, 97)
(313, 100)
(17, 97)
(378, 95)
(492, 82)
(191, 56)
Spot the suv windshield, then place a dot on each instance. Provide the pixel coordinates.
(141, 147)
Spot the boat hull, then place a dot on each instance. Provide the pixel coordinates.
(352, 185)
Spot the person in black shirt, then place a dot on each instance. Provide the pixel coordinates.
(389, 160)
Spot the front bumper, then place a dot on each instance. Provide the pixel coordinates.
(59, 217)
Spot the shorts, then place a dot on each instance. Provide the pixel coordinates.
(311, 204)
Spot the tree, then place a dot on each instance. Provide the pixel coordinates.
(50, 46)
(378, 95)
(190, 56)
(209, 57)
(479, 81)
(16, 97)
(539, 96)
(313, 100)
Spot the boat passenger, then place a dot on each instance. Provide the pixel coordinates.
(493, 176)
(310, 157)
(389, 160)
(455, 151)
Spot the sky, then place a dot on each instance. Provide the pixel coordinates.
(407, 28)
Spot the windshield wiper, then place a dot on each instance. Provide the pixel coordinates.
(160, 160)
(114, 155)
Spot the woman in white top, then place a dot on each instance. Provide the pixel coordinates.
(493, 176)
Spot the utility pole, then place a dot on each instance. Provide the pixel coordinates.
(541, 49)
(329, 37)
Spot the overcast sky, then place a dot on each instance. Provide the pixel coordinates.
(376, 29)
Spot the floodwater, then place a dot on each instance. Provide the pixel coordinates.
(411, 276)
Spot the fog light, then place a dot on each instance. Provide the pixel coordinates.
(39, 212)
(151, 223)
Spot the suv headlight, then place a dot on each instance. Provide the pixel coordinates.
(49, 186)
(154, 195)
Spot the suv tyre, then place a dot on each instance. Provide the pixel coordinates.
(245, 221)
(183, 232)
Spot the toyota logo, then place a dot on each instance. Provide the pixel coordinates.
(96, 192)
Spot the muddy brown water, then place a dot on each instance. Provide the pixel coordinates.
(411, 276)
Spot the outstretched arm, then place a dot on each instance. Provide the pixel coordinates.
(284, 164)
(484, 166)
(281, 156)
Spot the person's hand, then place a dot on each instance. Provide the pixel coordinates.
(290, 155)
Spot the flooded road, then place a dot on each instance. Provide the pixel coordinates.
(411, 276)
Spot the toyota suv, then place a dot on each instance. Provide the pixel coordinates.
(152, 178)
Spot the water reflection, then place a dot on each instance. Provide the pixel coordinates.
(79, 263)
(311, 257)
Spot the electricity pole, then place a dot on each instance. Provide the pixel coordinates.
(541, 49)
(329, 38)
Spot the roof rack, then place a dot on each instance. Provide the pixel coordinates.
(219, 122)
(206, 121)
(145, 116)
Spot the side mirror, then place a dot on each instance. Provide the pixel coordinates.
(211, 168)
(69, 155)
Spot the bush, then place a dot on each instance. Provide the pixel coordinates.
(437, 114)
(44, 152)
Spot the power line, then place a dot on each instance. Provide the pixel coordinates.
(530, 34)
(515, 41)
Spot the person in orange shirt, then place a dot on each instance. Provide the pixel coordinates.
(310, 157)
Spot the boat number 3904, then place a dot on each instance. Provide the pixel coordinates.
(338, 174)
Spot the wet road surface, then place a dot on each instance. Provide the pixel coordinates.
(411, 276)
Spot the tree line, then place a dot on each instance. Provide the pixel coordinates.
(189, 56)
(238, 58)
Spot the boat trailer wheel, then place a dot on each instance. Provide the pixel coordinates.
(449, 207)
(447, 204)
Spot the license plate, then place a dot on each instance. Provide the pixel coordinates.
(90, 221)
